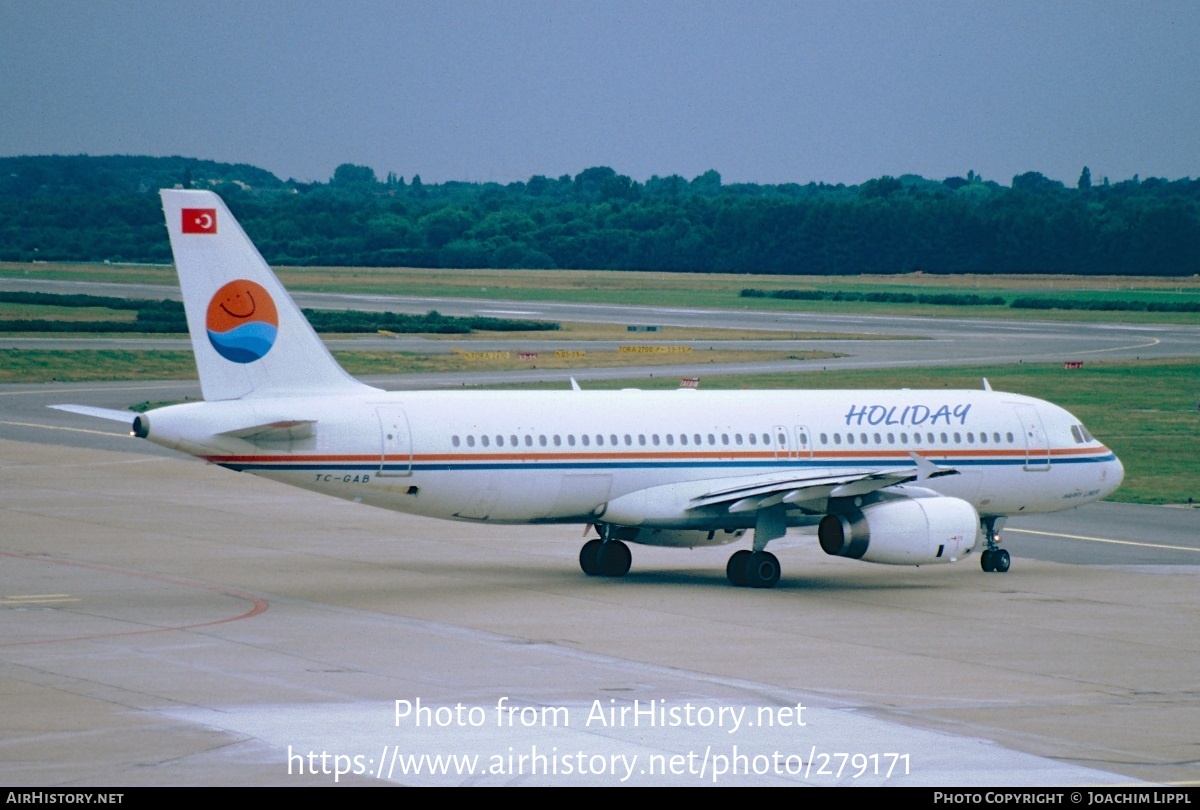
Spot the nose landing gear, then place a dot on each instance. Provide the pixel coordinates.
(994, 559)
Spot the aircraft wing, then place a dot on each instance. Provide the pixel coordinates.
(752, 494)
(687, 502)
(757, 493)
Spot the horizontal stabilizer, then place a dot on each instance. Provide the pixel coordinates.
(111, 414)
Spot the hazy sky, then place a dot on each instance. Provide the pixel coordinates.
(760, 91)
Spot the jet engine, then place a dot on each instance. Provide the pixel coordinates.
(916, 531)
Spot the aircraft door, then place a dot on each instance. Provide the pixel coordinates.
(804, 448)
(395, 437)
(783, 444)
(1037, 445)
(792, 446)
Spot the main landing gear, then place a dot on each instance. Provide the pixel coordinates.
(994, 559)
(605, 558)
(753, 569)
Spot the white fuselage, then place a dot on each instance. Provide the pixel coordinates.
(528, 457)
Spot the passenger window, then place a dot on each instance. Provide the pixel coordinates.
(470, 441)
(753, 439)
(542, 440)
(849, 438)
(557, 440)
(642, 439)
(877, 439)
(671, 440)
(454, 441)
(837, 438)
(528, 440)
(571, 439)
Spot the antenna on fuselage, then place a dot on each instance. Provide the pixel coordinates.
(987, 386)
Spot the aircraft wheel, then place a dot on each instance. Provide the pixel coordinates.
(987, 560)
(614, 559)
(735, 569)
(762, 570)
(589, 557)
(1001, 561)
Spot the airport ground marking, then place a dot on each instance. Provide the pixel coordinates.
(1106, 540)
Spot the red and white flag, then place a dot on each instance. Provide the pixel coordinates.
(199, 220)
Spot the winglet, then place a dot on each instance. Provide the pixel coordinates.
(987, 386)
(926, 469)
(575, 385)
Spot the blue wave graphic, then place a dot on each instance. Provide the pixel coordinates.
(246, 343)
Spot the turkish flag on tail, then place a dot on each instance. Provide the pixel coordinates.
(199, 220)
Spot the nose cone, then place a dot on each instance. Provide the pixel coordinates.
(1111, 476)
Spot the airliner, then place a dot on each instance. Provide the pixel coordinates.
(900, 477)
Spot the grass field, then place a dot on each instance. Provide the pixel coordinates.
(88, 365)
(692, 289)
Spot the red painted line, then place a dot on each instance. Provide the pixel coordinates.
(257, 605)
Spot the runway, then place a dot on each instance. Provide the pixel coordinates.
(942, 341)
(166, 622)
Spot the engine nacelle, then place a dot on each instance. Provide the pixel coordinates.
(920, 531)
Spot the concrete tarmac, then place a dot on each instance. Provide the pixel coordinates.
(166, 622)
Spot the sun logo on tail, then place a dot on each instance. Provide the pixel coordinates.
(242, 321)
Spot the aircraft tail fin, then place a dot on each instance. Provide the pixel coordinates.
(249, 337)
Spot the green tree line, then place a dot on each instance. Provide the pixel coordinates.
(106, 208)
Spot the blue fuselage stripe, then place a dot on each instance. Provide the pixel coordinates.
(717, 466)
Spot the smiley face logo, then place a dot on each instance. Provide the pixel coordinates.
(242, 321)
